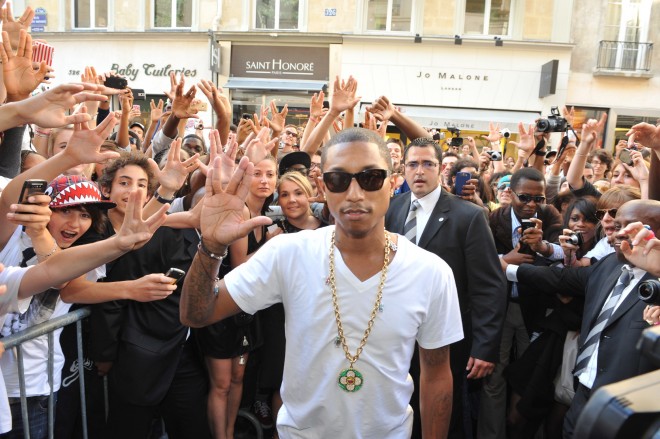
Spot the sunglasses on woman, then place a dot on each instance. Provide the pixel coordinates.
(600, 213)
(370, 180)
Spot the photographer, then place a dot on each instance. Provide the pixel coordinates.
(610, 326)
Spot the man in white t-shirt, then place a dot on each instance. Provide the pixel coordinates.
(356, 299)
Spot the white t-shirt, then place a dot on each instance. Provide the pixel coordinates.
(35, 351)
(600, 250)
(419, 304)
(11, 277)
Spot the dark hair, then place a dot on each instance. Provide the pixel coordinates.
(450, 154)
(127, 159)
(98, 216)
(526, 174)
(358, 135)
(604, 156)
(564, 197)
(495, 178)
(460, 164)
(423, 142)
(193, 136)
(586, 206)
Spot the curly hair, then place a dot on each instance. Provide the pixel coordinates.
(127, 159)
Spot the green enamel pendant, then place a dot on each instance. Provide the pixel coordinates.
(350, 380)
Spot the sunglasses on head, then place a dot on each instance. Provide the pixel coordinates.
(600, 213)
(524, 198)
(370, 180)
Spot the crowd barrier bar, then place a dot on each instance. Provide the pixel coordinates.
(49, 327)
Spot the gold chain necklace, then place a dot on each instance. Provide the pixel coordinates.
(351, 379)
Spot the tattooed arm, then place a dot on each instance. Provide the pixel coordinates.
(436, 389)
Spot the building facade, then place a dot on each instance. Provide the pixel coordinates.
(446, 63)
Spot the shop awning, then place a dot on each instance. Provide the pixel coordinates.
(464, 118)
(269, 84)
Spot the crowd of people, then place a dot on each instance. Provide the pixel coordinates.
(343, 278)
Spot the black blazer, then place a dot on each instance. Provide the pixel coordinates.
(458, 232)
(618, 357)
(144, 340)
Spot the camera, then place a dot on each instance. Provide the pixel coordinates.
(455, 141)
(553, 124)
(576, 239)
(505, 133)
(495, 156)
(649, 292)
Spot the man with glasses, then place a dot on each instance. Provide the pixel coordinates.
(523, 233)
(288, 139)
(457, 231)
(355, 297)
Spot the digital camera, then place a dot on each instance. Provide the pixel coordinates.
(576, 239)
(553, 124)
(649, 291)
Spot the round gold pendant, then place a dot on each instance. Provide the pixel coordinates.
(350, 380)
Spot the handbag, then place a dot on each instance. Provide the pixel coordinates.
(564, 381)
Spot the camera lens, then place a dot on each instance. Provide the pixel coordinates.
(575, 239)
(543, 126)
(649, 292)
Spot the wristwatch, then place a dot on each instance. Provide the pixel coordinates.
(161, 199)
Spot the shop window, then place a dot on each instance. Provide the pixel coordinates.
(277, 14)
(625, 45)
(389, 15)
(90, 14)
(488, 17)
(172, 13)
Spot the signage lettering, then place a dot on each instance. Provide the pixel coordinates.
(278, 66)
(454, 76)
(281, 62)
(131, 72)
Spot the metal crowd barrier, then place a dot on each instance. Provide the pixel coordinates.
(49, 327)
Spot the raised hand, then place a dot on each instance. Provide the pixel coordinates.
(218, 101)
(175, 171)
(135, 232)
(316, 105)
(181, 102)
(343, 95)
(278, 119)
(382, 109)
(526, 142)
(19, 77)
(494, 134)
(84, 146)
(638, 170)
(260, 147)
(591, 130)
(222, 220)
(156, 110)
(34, 216)
(643, 250)
(14, 27)
(646, 134)
(173, 85)
(49, 109)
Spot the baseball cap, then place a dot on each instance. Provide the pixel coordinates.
(294, 158)
(75, 190)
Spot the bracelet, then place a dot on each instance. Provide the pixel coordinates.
(548, 247)
(203, 250)
(161, 199)
(52, 252)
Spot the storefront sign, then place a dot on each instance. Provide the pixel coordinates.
(452, 76)
(281, 62)
(131, 72)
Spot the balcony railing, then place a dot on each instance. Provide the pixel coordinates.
(627, 56)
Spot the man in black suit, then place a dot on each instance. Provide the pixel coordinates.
(457, 231)
(613, 313)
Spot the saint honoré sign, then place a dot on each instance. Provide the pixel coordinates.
(281, 62)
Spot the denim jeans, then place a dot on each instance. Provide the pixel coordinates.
(37, 407)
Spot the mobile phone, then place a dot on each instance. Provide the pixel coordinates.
(136, 107)
(32, 187)
(625, 157)
(116, 82)
(246, 116)
(526, 224)
(176, 274)
(198, 105)
(461, 179)
(495, 156)
(42, 52)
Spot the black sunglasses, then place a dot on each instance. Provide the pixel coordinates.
(600, 213)
(369, 180)
(524, 198)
